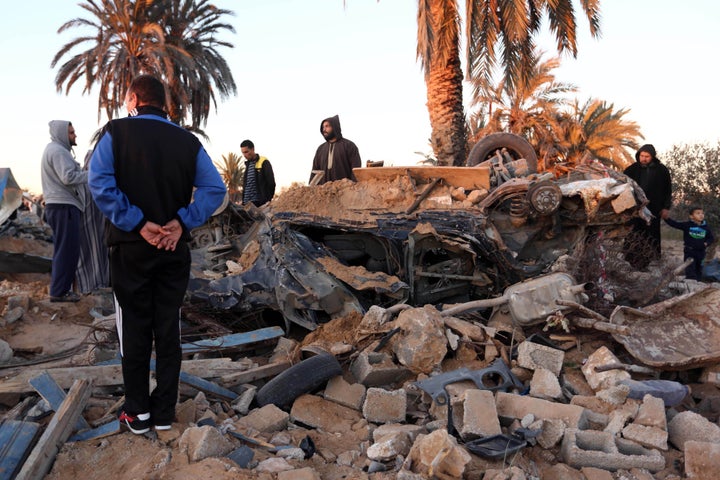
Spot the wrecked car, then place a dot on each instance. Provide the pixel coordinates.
(416, 235)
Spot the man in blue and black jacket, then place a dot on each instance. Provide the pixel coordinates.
(154, 182)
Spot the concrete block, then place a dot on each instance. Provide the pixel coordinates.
(513, 406)
(316, 412)
(266, 419)
(702, 460)
(375, 369)
(652, 413)
(620, 417)
(534, 356)
(344, 393)
(552, 432)
(651, 437)
(545, 384)
(385, 406)
(602, 380)
(479, 417)
(590, 448)
(688, 425)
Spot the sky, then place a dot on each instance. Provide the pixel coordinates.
(296, 62)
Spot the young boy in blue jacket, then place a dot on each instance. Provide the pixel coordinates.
(696, 238)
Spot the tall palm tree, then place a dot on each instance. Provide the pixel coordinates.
(508, 28)
(595, 129)
(130, 37)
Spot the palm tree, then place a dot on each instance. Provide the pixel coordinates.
(595, 129)
(492, 27)
(232, 171)
(529, 109)
(191, 26)
(131, 37)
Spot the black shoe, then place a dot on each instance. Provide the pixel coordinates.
(132, 422)
(68, 297)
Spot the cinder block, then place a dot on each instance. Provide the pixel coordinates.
(545, 384)
(375, 369)
(384, 406)
(590, 448)
(514, 406)
(702, 460)
(533, 356)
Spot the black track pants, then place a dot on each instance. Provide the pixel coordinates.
(149, 286)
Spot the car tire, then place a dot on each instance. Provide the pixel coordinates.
(515, 144)
(303, 377)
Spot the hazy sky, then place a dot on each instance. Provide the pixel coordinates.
(296, 62)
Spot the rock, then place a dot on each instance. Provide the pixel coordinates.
(204, 442)
(421, 345)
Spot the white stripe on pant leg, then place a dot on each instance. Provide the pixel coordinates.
(118, 322)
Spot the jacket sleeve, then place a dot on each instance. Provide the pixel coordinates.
(208, 195)
(269, 177)
(667, 188)
(111, 201)
(316, 165)
(675, 224)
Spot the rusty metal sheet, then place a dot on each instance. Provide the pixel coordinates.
(678, 334)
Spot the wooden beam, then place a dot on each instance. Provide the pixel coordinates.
(16, 438)
(58, 430)
(253, 374)
(111, 375)
(235, 340)
(54, 395)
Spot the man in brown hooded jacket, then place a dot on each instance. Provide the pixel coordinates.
(337, 156)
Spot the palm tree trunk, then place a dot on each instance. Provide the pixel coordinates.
(445, 106)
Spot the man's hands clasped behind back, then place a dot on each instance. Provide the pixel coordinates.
(165, 237)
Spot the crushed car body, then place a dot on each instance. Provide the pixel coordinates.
(419, 236)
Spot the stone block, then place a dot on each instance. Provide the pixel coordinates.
(375, 369)
(702, 460)
(651, 437)
(385, 406)
(265, 419)
(316, 412)
(652, 413)
(545, 384)
(344, 393)
(590, 448)
(204, 442)
(602, 380)
(533, 356)
(411, 430)
(552, 432)
(389, 447)
(479, 417)
(513, 406)
(688, 425)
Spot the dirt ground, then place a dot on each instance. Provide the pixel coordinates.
(48, 329)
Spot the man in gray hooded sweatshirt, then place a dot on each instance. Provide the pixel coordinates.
(62, 179)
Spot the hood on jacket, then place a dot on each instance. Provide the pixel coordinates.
(335, 124)
(649, 148)
(59, 132)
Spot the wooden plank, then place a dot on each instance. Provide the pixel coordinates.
(98, 432)
(253, 374)
(54, 395)
(58, 430)
(207, 387)
(16, 438)
(470, 178)
(234, 340)
(111, 375)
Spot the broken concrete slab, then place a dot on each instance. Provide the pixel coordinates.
(589, 448)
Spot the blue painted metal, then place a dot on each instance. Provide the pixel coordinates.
(234, 340)
(99, 432)
(16, 440)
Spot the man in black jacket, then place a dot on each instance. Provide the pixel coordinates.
(154, 182)
(643, 243)
(259, 180)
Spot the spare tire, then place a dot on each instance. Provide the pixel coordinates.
(303, 377)
(516, 145)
